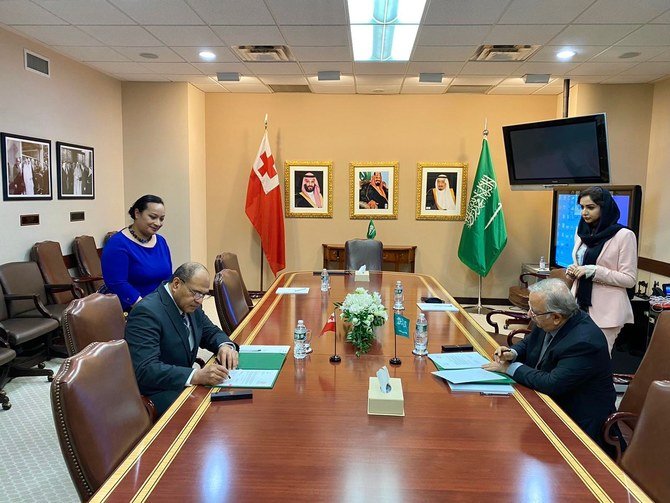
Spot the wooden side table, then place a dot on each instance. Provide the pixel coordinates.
(393, 257)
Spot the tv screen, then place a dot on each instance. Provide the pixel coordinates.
(566, 214)
(562, 151)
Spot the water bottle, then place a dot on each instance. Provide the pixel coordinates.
(299, 338)
(398, 296)
(543, 264)
(421, 336)
(325, 281)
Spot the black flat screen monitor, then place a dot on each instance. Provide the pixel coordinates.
(562, 151)
(566, 214)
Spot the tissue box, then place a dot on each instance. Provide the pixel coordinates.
(386, 404)
(362, 276)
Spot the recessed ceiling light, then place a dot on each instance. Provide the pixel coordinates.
(149, 55)
(566, 54)
(207, 55)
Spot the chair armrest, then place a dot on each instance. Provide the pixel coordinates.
(77, 292)
(4, 341)
(34, 297)
(87, 279)
(522, 278)
(611, 437)
(513, 333)
(509, 314)
(623, 378)
(151, 408)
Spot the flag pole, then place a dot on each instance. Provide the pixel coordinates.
(262, 254)
(335, 358)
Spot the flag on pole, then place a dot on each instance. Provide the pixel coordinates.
(330, 324)
(264, 206)
(484, 234)
(372, 231)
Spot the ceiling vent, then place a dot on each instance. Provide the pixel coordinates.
(502, 53)
(36, 63)
(468, 89)
(263, 53)
(285, 88)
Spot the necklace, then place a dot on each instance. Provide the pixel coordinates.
(132, 233)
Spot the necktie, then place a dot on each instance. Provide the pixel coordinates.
(191, 340)
(545, 344)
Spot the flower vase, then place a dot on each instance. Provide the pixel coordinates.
(361, 337)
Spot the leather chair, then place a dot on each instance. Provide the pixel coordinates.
(88, 260)
(99, 415)
(648, 455)
(49, 258)
(518, 294)
(228, 260)
(509, 318)
(107, 236)
(7, 355)
(358, 252)
(95, 318)
(653, 367)
(231, 305)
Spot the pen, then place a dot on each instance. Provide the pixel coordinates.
(493, 393)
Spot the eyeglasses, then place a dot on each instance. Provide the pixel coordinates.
(197, 295)
(535, 315)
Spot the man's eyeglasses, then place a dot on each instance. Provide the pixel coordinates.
(197, 295)
(535, 315)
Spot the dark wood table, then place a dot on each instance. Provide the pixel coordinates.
(397, 257)
(311, 439)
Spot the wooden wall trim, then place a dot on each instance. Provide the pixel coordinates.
(653, 266)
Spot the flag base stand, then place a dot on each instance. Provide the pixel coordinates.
(335, 359)
(478, 308)
(395, 361)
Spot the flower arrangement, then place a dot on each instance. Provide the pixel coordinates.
(363, 311)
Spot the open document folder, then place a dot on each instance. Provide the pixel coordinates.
(477, 381)
(259, 367)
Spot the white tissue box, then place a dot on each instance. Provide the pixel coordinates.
(386, 404)
(362, 276)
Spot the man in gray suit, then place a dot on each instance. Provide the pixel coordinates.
(165, 330)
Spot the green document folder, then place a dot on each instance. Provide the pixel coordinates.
(504, 378)
(256, 369)
(261, 361)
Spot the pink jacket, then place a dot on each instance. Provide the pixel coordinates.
(616, 270)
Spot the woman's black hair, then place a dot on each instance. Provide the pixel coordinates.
(142, 203)
(595, 193)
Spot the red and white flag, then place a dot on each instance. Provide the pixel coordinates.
(264, 206)
(330, 324)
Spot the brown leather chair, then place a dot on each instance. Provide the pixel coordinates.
(99, 416)
(229, 298)
(228, 260)
(647, 458)
(653, 367)
(518, 294)
(107, 236)
(95, 318)
(88, 260)
(368, 252)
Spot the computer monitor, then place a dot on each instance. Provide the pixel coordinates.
(566, 213)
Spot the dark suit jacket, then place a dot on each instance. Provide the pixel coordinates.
(576, 371)
(158, 341)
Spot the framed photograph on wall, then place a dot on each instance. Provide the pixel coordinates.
(308, 189)
(374, 190)
(440, 190)
(26, 168)
(76, 171)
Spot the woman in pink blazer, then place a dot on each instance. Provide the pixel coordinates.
(605, 263)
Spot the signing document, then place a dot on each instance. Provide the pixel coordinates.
(244, 378)
(457, 361)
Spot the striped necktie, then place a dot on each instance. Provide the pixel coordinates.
(545, 344)
(191, 339)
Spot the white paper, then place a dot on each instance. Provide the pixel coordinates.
(426, 306)
(384, 378)
(455, 361)
(292, 291)
(243, 378)
(247, 348)
(469, 376)
(361, 269)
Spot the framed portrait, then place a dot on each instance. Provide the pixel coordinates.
(26, 168)
(440, 190)
(374, 190)
(308, 189)
(76, 171)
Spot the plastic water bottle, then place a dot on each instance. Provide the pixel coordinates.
(398, 296)
(543, 263)
(299, 338)
(325, 281)
(421, 336)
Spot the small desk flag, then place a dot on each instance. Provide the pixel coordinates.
(401, 325)
(330, 325)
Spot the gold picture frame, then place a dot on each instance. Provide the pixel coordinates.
(308, 196)
(431, 177)
(367, 201)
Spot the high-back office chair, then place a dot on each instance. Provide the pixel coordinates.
(95, 318)
(359, 252)
(228, 260)
(518, 294)
(99, 416)
(647, 458)
(229, 298)
(653, 367)
(88, 260)
(49, 258)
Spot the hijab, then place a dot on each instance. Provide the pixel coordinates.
(595, 238)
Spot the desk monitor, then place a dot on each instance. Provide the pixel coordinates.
(566, 213)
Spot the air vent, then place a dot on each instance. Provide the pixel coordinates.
(263, 53)
(285, 88)
(36, 63)
(468, 89)
(504, 52)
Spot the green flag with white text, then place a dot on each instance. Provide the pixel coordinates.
(372, 232)
(484, 234)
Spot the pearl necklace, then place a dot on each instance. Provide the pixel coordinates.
(132, 233)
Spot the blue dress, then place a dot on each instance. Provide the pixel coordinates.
(132, 271)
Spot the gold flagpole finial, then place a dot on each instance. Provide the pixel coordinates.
(486, 129)
(266, 122)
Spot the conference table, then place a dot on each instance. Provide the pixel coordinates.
(310, 438)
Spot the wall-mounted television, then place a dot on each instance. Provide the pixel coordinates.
(566, 213)
(557, 152)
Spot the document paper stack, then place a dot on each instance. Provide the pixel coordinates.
(258, 367)
(463, 372)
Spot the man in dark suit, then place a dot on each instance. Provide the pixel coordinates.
(165, 330)
(565, 357)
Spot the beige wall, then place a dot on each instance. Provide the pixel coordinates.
(341, 129)
(197, 175)
(76, 105)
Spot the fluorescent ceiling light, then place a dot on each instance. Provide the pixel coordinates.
(565, 54)
(228, 76)
(207, 55)
(384, 30)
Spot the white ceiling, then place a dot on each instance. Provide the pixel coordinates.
(109, 35)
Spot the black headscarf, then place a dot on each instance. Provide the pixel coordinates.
(595, 238)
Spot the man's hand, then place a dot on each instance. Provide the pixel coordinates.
(210, 375)
(503, 354)
(228, 357)
(496, 366)
(372, 204)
